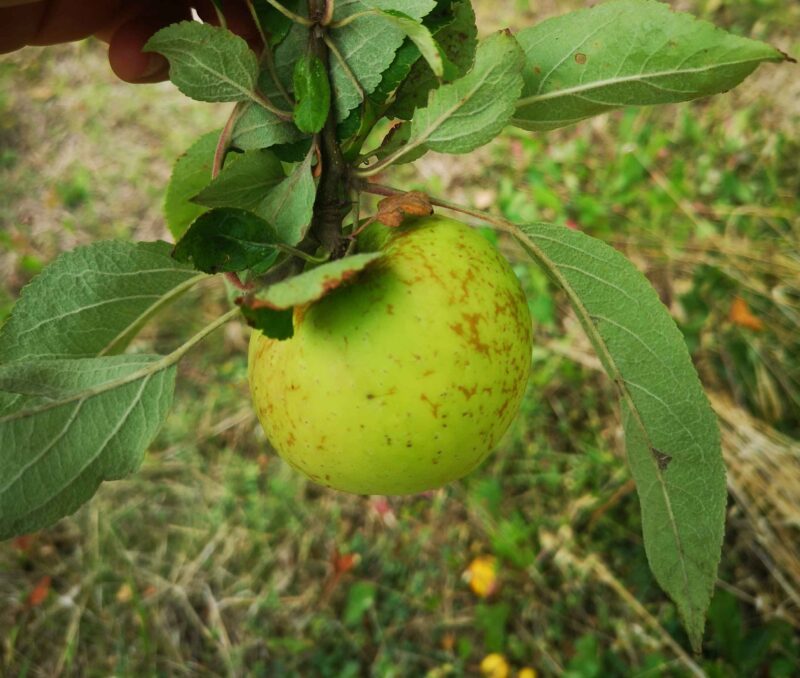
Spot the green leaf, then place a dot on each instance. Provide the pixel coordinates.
(92, 301)
(80, 422)
(244, 182)
(672, 434)
(289, 206)
(294, 152)
(228, 240)
(258, 128)
(455, 31)
(627, 53)
(272, 323)
(421, 37)
(470, 112)
(395, 139)
(286, 55)
(312, 91)
(314, 284)
(274, 23)
(192, 173)
(368, 45)
(393, 77)
(207, 63)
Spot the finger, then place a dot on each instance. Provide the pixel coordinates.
(125, 54)
(68, 20)
(18, 25)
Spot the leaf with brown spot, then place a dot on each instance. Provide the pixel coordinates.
(594, 60)
(662, 459)
(392, 211)
(683, 492)
(311, 285)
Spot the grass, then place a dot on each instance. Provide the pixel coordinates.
(216, 559)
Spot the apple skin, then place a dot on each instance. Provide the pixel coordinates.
(405, 379)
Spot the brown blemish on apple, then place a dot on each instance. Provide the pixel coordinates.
(468, 392)
(502, 409)
(390, 309)
(474, 338)
(426, 264)
(465, 283)
(434, 406)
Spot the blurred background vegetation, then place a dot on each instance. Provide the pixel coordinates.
(217, 559)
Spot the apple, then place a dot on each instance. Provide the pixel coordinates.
(405, 379)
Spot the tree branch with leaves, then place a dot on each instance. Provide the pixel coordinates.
(273, 201)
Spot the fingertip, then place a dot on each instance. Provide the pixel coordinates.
(18, 25)
(126, 57)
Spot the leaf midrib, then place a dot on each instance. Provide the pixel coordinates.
(599, 84)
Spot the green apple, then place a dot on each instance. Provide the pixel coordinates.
(405, 379)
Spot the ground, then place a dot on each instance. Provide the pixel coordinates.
(218, 559)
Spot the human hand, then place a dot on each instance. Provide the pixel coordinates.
(124, 24)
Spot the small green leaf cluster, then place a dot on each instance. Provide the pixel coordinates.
(408, 77)
(338, 93)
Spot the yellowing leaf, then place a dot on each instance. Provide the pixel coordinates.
(481, 575)
(495, 666)
(741, 315)
(393, 211)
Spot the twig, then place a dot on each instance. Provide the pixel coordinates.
(289, 14)
(223, 22)
(262, 100)
(327, 14)
(333, 202)
(353, 17)
(251, 8)
(224, 142)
